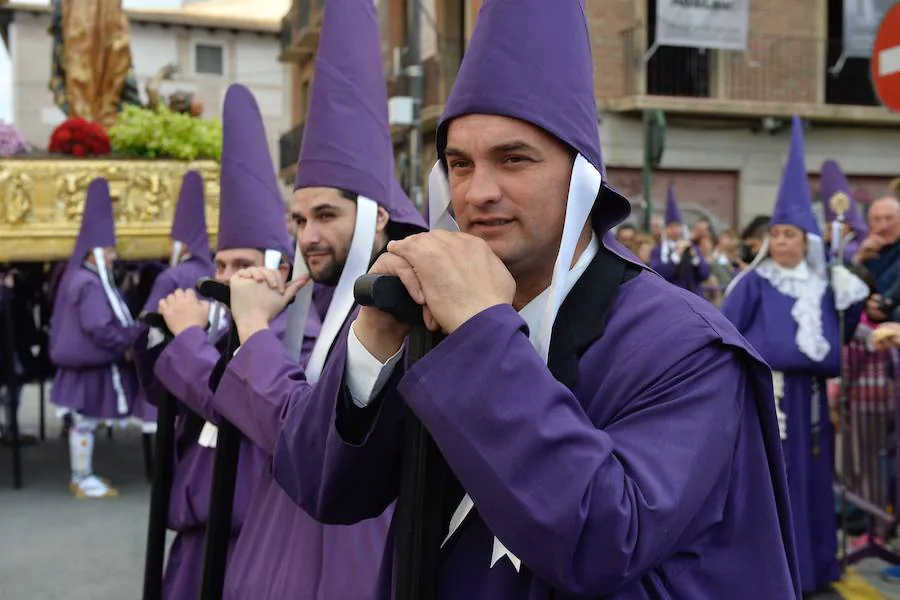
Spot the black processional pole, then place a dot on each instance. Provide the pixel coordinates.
(425, 475)
(228, 446)
(161, 487)
(12, 378)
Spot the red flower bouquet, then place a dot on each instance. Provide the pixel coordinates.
(79, 137)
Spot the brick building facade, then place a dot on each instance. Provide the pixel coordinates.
(725, 110)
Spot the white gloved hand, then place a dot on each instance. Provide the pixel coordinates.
(848, 288)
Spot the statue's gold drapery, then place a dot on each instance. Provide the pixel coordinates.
(97, 55)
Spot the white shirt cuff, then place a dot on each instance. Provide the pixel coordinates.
(675, 258)
(365, 375)
(695, 261)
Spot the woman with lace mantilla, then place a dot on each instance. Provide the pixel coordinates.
(786, 304)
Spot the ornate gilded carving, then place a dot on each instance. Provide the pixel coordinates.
(70, 189)
(17, 189)
(42, 200)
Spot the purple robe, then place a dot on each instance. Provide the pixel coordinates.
(612, 476)
(283, 552)
(184, 368)
(763, 315)
(86, 341)
(684, 274)
(180, 277)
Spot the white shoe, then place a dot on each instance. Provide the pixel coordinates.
(93, 487)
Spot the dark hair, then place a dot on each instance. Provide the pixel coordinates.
(756, 228)
(625, 226)
(351, 196)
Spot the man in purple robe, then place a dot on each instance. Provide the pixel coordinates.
(190, 260)
(251, 233)
(626, 454)
(347, 205)
(854, 229)
(786, 305)
(677, 258)
(91, 334)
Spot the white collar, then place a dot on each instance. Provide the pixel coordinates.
(532, 311)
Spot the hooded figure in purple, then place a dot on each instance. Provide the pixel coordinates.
(252, 232)
(347, 205)
(677, 258)
(91, 334)
(189, 261)
(853, 228)
(786, 305)
(629, 453)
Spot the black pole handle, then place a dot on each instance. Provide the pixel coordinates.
(156, 320)
(387, 293)
(161, 487)
(225, 465)
(210, 288)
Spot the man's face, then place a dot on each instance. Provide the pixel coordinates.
(509, 183)
(787, 245)
(229, 262)
(675, 231)
(700, 230)
(884, 219)
(625, 235)
(325, 223)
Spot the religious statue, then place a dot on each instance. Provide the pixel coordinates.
(93, 73)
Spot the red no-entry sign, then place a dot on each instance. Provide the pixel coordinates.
(885, 62)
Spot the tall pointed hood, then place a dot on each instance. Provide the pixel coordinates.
(189, 223)
(834, 181)
(251, 208)
(794, 203)
(347, 137)
(673, 214)
(530, 60)
(98, 229)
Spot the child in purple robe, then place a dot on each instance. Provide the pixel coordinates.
(91, 334)
(786, 305)
(677, 258)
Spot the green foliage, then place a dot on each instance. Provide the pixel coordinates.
(162, 133)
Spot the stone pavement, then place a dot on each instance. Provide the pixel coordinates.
(53, 547)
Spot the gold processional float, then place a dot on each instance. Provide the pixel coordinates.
(143, 150)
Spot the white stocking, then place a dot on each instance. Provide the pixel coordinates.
(81, 447)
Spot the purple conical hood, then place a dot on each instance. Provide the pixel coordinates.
(530, 60)
(673, 214)
(794, 203)
(832, 181)
(251, 208)
(189, 223)
(98, 229)
(347, 137)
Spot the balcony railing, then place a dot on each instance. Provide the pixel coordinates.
(774, 69)
(289, 147)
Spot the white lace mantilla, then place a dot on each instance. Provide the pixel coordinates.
(807, 288)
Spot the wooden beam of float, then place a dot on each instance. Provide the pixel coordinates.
(42, 200)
